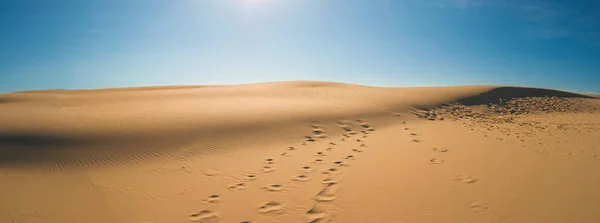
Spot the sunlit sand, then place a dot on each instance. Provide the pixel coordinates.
(300, 152)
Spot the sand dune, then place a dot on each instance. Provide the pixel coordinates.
(299, 151)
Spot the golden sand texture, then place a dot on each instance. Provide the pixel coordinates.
(300, 151)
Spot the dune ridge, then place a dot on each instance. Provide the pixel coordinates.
(163, 119)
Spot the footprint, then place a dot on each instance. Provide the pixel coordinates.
(332, 143)
(272, 207)
(317, 130)
(463, 178)
(349, 157)
(269, 161)
(204, 216)
(307, 168)
(318, 213)
(329, 148)
(331, 171)
(286, 154)
(273, 187)
(359, 140)
(322, 135)
(479, 208)
(250, 177)
(413, 134)
(291, 148)
(300, 178)
(329, 180)
(213, 199)
(406, 128)
(320, 154)
(363, 145)
(211, 173)
(357, 150)
(416, 140)
(440, 150)
(267, 169)
(318, 161)
(310, 138)
(339, 163)
(436, 161)
(237, 187)
(328, 193)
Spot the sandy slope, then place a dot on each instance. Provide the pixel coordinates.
(222, 153)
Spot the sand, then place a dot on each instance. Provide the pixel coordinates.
(300, 152)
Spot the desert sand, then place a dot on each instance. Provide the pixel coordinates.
(300, 152)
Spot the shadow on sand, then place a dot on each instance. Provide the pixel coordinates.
(506, 93)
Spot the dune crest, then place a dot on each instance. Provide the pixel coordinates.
(150, 121)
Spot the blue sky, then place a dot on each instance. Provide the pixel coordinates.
(78, 44)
